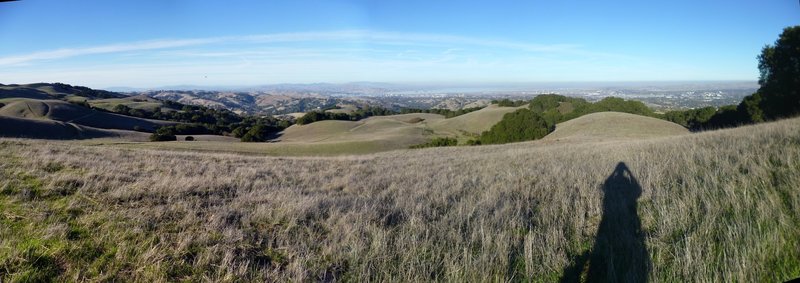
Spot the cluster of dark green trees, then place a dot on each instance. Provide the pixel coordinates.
(200, 120)
(520, 125)
(248, 130)
(509, 103)
(214, 121)
(447, 113)
(778, 96)
(359, 114)
(163, 134)
(257, 133)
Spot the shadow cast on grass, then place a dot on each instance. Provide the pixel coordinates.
(619, 253)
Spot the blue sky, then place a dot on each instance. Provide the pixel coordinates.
(150, 43)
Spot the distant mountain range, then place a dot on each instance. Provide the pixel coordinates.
(377, 88)
(280, 99)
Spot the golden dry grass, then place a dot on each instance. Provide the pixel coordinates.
(614, 125)
(384, 132)
(48, 129)
(474, 122)
(57, 110)
(717, 206)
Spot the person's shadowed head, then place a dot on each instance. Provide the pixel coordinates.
(619, 253)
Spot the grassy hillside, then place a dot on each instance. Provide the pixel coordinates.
(614, 125)
(401, 131)
(135, 102)
(473, 122)
(57, 110)
(716, 206)
(53, 91)
(386, 133)
(47, 129)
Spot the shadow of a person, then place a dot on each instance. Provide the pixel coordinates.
(619, 253)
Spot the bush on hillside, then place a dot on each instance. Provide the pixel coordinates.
(617, 104)
(726, 117)
(239, 132)
(121, 109)
(437, 142)
(315, 116)
(82, 103)
(200, 120)
(549, 107)
(509, 103)
(447, 113)
(692, 119)
(259, 133)
(544, 102)
(520, 125)
(164, 134)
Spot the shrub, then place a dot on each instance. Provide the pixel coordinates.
(164, 134)
(189, 138)
(239, 132)
(415, 120)
(510, 103)
(83, 103)
(259, 133)
(160, 137)
(121, 109)
(520, 125)
(437, 142)
(474, 142)
(621, 105)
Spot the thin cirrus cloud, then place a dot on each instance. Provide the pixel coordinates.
(368, 37)
(334, 56)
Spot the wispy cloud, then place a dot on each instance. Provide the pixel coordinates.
(361, 36)
(104, 49)
(334, 56)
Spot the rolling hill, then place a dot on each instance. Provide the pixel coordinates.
(401, 131)
(397, 132)
(48, 129)
(135, 102)
(57, 110)
(473, 122)
(614, 125)
(53, 91)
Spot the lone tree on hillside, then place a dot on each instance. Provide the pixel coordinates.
(779, 65)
